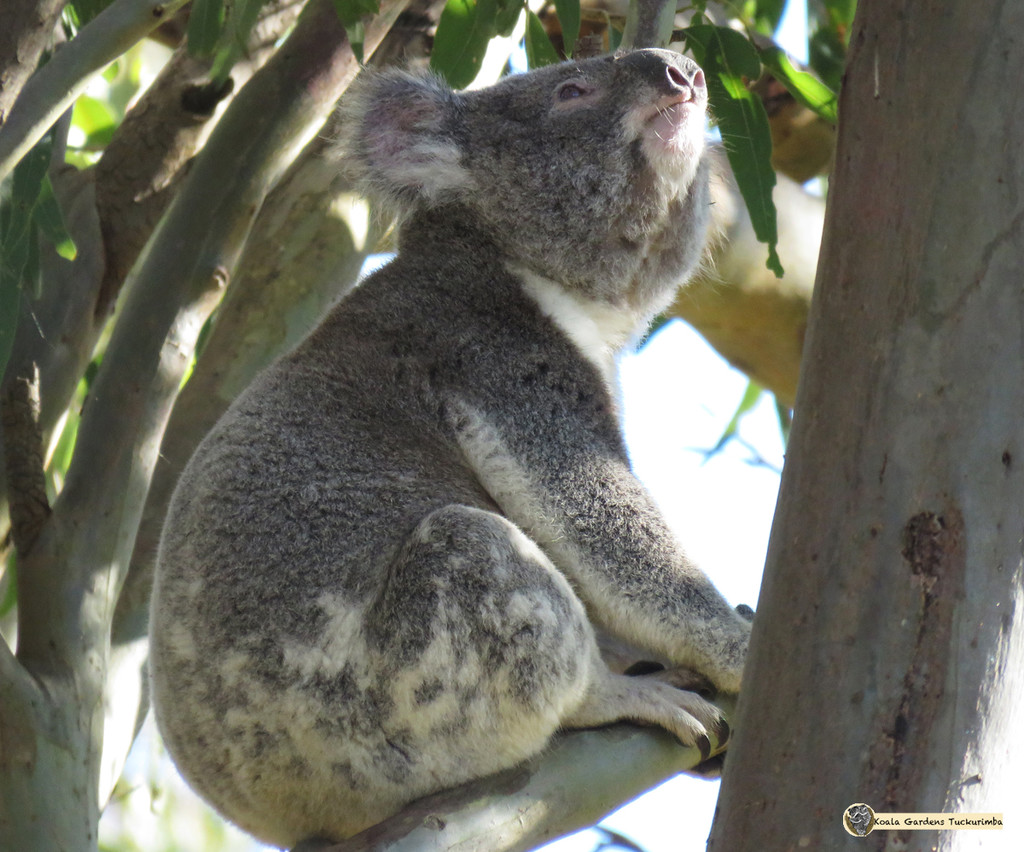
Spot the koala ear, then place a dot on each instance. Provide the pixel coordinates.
(397, 138)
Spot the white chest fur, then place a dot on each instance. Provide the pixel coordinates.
(599, 330)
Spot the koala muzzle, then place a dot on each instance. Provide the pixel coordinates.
(672, 74)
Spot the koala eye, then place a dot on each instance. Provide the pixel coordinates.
(572, 90)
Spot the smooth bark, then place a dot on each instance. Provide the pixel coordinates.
(887, 661)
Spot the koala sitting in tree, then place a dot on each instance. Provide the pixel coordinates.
(382, 571)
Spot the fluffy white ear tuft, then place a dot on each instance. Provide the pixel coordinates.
(398, 138)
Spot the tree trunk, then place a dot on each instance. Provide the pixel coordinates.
(887, 660)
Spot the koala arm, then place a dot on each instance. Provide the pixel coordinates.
(576, 496)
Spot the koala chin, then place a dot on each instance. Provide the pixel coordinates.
(382, 572)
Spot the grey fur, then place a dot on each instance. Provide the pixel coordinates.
(381, 571)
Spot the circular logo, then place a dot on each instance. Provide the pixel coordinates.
(858, 820)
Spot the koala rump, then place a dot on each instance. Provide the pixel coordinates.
(382, 571)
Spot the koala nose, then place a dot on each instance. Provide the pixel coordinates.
(692, 83)
(671, 73)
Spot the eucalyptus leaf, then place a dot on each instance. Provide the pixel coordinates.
(568, 12)
(539, 49)
(205, 25)
(48, 217)
(806, 88)
(234, 37)
(10, 577)
(765, 14)
(463, 32)
(10, 296)
(352, 11)
(750, 397)
(95, 119)
(729, 61)
(351, 14)
(17, 228)
(508, 16)
(13, 257)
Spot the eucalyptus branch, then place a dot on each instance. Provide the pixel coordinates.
(649, 23)
(148, 155)
(54, 87)
(27, 30)
(577, 781)
(23, 455)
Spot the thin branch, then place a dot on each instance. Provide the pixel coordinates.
(54, 87)
(649, 23)
(145, 161)
(577, 781)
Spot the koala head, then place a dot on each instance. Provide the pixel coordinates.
(589, 173)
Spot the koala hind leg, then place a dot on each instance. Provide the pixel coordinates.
(486, 646)
(494, 651)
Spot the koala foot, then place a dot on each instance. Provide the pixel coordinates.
(680, 678)
(652, 699)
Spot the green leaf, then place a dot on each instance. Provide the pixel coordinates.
(614, 37)
(764, 14)
(806, 88)
(539, 49)
(841, 11)
(231, 44)
(244, 15)
(351, 13)
(785, 416)
(18, 262)
(205, 25)
(19, 238)
(465, 28)
(48, 217)
(9, 584)
(15, 232)
(831, 24)
(568, 12)
(729, 60)
(750, 397)
(95, 119)
(508, 16)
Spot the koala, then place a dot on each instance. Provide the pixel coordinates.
(383, 571)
